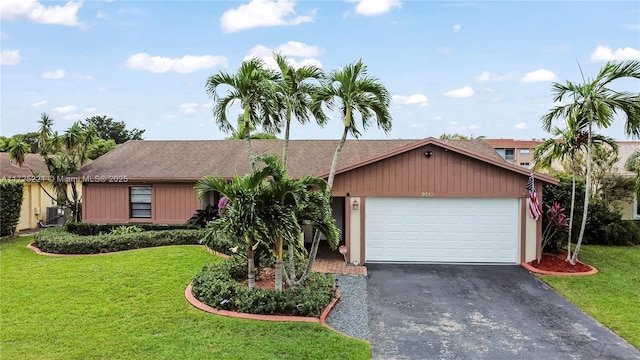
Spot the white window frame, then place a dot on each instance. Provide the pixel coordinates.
(525, 152)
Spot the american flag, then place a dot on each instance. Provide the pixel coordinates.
(534, 205)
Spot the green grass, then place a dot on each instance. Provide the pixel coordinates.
(612, 296)
(131, 305)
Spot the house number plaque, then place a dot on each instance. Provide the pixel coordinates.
(427, 195)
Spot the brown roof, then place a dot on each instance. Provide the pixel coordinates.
(513, 143)
(145, 160)
(10, 169)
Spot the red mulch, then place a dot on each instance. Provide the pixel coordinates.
(559, 263)
(266, 279)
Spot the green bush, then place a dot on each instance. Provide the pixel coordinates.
(97, 229)
(604, 224)
(59, 241)
(216, 286)
(11, 192)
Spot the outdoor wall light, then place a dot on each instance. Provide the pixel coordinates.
(428, 153)
(355, 205)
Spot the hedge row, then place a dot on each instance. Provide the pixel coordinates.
(11, 192)
(218, 286)
(59, 241)
(97, 229)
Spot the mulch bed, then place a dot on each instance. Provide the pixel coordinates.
(559, 263)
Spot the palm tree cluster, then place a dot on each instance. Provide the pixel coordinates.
(590, 104)
(267, 207)
(63, 155)
(271, 99)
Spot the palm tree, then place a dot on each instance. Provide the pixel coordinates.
(596, 104)
(270, 212)
(356, 92)
(633, 164)
(567, 143)
(254, 87)
(295, 93)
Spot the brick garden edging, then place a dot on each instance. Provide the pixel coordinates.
(555, 273)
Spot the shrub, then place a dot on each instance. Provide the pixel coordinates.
(97, 229)
(59, 241)
(203, 216)
(11, 192)
(120, 230)
(216, 286)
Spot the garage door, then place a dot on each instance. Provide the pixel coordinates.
(441, 230)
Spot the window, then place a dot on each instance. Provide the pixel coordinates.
(524, 152)
(140, 198)
(525, 164)
(509, 155)
(636, 208)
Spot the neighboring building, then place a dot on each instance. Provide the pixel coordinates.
(630, 210)
(35, 200)
(424, 200)
(518, 152)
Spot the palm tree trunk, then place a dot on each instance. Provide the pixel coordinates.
(279, 265)
(251, 268)
(247, 137)
(573, 203)
(587, 191)
(285, 150)
(336, 155)
(291, 278)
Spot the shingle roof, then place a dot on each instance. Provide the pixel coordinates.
(513, 143)
(145, 160)
(9, 169)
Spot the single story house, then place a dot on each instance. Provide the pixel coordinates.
(35, 199)
(426, 200)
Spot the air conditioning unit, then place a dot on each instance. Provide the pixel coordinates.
(57, 215)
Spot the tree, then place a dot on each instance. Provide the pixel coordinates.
(633, 164)
(108, 129)
(567, 143)
(594, 103)
(295, 93)
(269, 212)
(100, 147)
(63, 155)
(457, 136)
(240, 134)
(355, 92)
(254, 87)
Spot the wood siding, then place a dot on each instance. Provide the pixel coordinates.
(109, 203)
(443, 174)
(173, 204)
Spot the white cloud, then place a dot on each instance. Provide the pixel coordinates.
(539, 76)
(304, 53)
(207, 105)
(101, 15)
(64, 109)
(39, 103)
(184, 65)
(188, 108)
(260, 13)
(53, 75)
(411, 99)
(10, 57)
(460, 93)
(604, 53)
(487, 76)
(375, 7)
(520, 126)
(33, 10)
(457, 27)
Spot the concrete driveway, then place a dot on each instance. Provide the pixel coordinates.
(479, 312)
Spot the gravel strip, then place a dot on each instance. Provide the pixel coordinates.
(351, 314)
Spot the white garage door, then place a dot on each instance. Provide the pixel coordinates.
(441, 230)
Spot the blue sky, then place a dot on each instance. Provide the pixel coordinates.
(482, 68)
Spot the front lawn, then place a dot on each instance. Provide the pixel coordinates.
(612, 296)
(131, 305)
